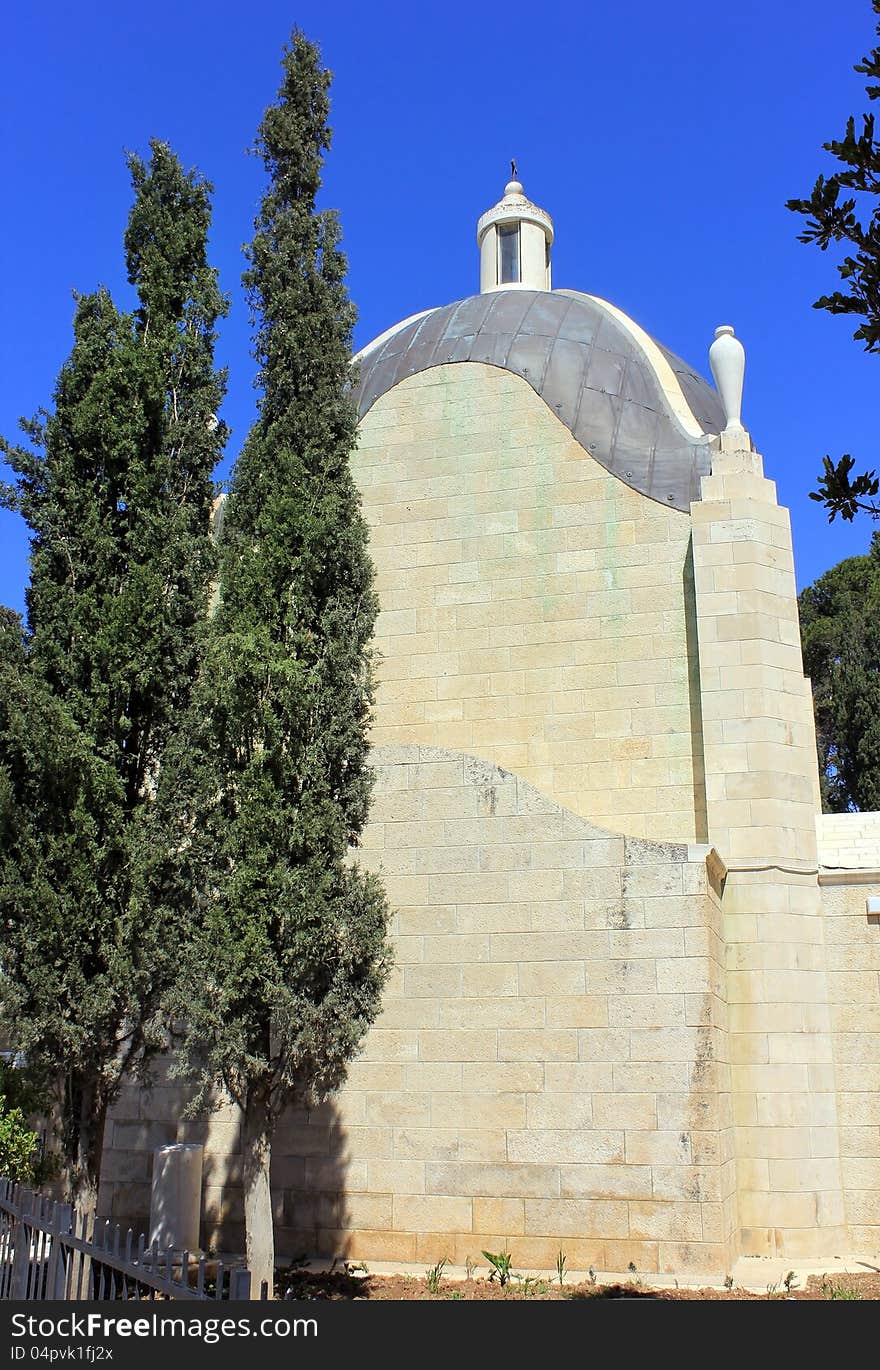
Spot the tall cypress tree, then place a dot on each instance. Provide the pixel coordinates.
(118, 495)
(286, 965)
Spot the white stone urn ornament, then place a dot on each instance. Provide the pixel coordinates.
(727, 359)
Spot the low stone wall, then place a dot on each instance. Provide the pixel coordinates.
(849, 839)
(852, 939)
(550, 1068)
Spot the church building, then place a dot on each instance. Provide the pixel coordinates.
(635, 1008)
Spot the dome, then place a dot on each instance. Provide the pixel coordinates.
(639, 410)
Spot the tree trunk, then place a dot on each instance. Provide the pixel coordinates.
(86, 1110)
(259, 1231)
(85, 1107)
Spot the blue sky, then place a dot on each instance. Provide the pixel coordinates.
(663, 139)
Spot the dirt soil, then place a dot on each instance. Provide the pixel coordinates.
(351, 1283)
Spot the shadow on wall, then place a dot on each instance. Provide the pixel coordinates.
(309, 1182)
(309, 1170)
(139, 1121)
(701, 819)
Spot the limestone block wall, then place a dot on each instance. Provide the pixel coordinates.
(585, 1044)
(762, 792)
(852, 938)
(535, 610)
(550, 1067)
(850, 842)
(758, 730)
(789, 1185)
(849, 839)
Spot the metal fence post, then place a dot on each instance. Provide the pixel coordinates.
(20, 1259)
(47, 1252)
(56, 1273)
(239, 1284)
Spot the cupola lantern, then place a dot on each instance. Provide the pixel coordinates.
(514, 238)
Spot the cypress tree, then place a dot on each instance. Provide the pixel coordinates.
(117, 491)
(286, 964)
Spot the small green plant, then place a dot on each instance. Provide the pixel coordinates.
(839, 1291)
(435, 1275)
(560, 1267)
(531, 1285)
(500, 1267)
(470, 1266)
(453, 1294)
(591, 1274)
(790, 1282)
(728, 1281)
(633, 1282)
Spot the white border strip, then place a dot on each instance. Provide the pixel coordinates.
(669, 383)
(389, 333)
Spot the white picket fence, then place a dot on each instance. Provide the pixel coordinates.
(47, 1252)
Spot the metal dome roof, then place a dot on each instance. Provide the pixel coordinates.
(589, 367)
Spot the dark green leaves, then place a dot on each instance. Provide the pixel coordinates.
(840, 624)
(289, 955)
(853, 220)
(117, 490)
(844, 494)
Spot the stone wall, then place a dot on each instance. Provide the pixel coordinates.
(849, 844)
(535, 610)
(852, 939)
(849, 839)
(762, 796)
(550, 1067)
(585, 1043)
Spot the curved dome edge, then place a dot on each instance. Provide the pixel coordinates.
(666, 377)
(617, 391)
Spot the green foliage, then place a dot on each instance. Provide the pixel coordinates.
(434, 1276)
(117, 490)
(853, 220)
(560, 1267)
(840, 626)
(21, 1090)
(844, 494)
(24, 1089)
(530, 1286)
(270, 787)
(499, 1263)
(18, 1144)
(830, 1290)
